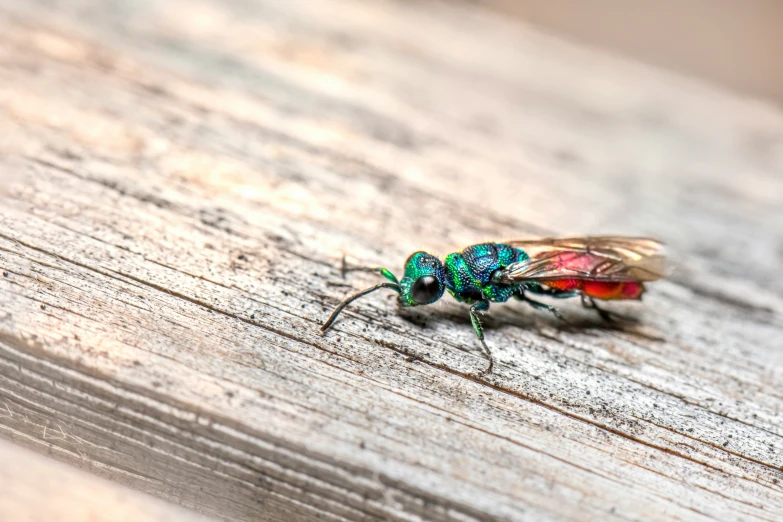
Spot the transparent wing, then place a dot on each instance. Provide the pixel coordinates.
(600, 258)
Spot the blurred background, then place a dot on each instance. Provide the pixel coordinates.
(738, 44)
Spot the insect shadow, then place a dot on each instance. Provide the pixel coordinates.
(574, 321)
(519, 317)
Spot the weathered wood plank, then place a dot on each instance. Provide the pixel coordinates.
(181, 179)
(70, 494)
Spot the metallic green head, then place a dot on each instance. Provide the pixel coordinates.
(423, 282)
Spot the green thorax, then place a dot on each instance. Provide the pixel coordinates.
(468, 274)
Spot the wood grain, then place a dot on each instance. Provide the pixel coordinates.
(181, 179)
(72, 495)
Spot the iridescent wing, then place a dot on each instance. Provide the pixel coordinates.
(596, 258)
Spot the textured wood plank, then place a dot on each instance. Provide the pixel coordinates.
(180, 180)
(71, 495)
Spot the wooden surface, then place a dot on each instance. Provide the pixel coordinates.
(38, 489)
(180, 180)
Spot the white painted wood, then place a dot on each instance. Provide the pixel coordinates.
(180, 180)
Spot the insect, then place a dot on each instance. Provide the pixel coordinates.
(603, 268)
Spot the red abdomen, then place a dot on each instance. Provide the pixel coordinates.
(600, 289)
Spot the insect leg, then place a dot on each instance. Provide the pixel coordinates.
(551, 292)
(539, 306)
(344, 268)
(589, 302)
(481, 306)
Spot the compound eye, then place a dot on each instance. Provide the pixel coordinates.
(425, 289)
